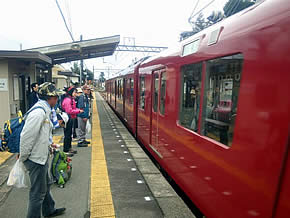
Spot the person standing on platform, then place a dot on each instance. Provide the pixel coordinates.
(75, 124)
(33, 97)
(83, 103)
(34, 153)
(69, 106)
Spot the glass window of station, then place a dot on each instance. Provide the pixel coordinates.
(190, 95)
(222, 85)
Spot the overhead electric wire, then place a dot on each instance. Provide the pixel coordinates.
(193, 10)
(200, 11)
(68, 14)
(64, 21)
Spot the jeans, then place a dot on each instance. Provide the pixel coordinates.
(81, 130)
(39, 195)
(67, 136)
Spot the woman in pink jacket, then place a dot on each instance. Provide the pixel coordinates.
(69, 106)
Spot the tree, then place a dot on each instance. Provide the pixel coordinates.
(200, 23)
(234, 6)
(102, 77)
(76, 68)
(214, 17)
(185, 34)
(90, 74)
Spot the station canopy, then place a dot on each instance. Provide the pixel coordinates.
(85, 49)
(26, 56)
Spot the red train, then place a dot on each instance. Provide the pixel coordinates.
(214, 112)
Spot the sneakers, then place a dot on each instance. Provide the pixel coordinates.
(68, 154)
(57, 212)
(73, 151)
(86, 142)
(82, 144)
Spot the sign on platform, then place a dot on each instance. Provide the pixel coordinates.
(3, 84)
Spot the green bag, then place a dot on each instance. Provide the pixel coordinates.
(61, 168)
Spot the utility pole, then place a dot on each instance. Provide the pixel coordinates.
(82, 64)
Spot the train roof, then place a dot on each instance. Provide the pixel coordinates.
(211, 33)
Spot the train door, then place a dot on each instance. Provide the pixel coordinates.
(154, 111)
(115, 93)
(124, 97)
(110, 92)
(128, 112)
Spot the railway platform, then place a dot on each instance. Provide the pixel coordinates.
(113, 177)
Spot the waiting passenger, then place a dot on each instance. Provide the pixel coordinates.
(83, 103)
(33, 97)
(34, 144)
(69, 106)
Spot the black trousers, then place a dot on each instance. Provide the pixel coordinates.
(67, 135)
(75, 126)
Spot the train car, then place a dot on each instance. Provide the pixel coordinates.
(121, 94)
(214, 113)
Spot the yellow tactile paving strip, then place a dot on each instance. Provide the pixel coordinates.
(4, 156)
(57, 140)
(101, 196)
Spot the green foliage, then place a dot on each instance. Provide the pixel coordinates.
(90, 74)
(76, 68)
(234, 6)
(231, 7)
(102, 77)
(200, 23)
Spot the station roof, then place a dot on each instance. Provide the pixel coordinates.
(68, 73)
(85, 49)
(25, 55)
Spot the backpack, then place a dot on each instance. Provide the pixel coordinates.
(61, 168)
(62, 97)
(60, 100)
(12, 130)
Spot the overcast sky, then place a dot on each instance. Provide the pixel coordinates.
(35, 23)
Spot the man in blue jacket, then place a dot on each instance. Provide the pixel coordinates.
(83, 103)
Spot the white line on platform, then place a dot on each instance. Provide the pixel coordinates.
(147, 198)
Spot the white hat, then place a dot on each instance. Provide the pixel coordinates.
(64, 117)
(79, 90)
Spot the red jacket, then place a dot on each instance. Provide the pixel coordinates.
(69, 106)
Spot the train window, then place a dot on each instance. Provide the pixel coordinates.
(131, 99)
(124, 82)
(121, 89)
(162, 93)
(155, 92)
(142, 93)
(221, 98)
(190, 95)
(118, 88)
(191, 47)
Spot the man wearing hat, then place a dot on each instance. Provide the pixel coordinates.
(34, 153)
(83, 103)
